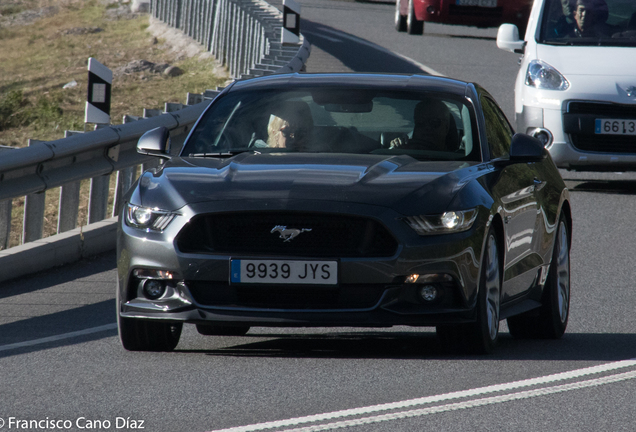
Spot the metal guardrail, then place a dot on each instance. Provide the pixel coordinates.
(242, 34)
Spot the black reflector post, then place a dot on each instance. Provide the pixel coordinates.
(291, 23)
(100, 80)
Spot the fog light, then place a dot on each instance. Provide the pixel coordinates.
(543, 135)
(153, 288)
(428, 293)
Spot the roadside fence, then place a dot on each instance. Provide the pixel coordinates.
(243, 35)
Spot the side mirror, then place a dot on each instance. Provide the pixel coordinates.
(508, 39)
(525, 148)
(155, 142)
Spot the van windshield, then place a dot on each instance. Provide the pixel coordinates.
(589, 22)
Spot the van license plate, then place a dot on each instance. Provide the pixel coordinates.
(615, 127)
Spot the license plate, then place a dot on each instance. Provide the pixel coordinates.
(482, 3)
(283, 272)
(615, 127)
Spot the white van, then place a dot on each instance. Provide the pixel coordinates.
(576, 89)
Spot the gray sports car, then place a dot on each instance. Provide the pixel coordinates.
(360, 200)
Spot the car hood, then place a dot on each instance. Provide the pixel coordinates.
(388, 181)
(594, 73)
(590, 60)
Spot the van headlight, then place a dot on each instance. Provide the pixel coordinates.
(148, 218)
(543, 76)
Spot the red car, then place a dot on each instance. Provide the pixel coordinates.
(411, 14)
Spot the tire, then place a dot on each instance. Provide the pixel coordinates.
(480, 337)
(140, 335)
(213, 330)
(413, 26)
(400, 20)
(551, 320)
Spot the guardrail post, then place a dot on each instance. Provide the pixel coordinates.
(69, 207)
(33, 212)
(5, 223)
(124, 181)
(33, 217)
(98, 202)
(5, 215)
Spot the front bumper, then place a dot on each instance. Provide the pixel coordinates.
(565, 127)
(371, 292)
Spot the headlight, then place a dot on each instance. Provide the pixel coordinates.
(148, 218)
(449, 222)
(543, 76)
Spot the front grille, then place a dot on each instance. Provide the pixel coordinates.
(609, 110)
(253, 233)
(347, 296)
(475, 11)
(579, 120)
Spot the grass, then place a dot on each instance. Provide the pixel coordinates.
(38, 59)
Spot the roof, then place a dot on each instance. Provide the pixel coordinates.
(354, 80)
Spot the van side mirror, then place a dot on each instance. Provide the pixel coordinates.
(524, 148)
(155, 142)
(508, 39)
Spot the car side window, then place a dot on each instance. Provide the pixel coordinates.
(498, 130)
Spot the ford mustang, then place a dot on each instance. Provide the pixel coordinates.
(359, 200)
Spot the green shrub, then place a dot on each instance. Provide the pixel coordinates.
(11, 105)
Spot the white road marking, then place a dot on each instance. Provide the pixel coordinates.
(608, 367)
(417, 64)
(471, 403)
(58, 337)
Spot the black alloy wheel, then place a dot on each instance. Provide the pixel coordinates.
(480, 337)
(141, 335)
(214, 330)
(551, 319)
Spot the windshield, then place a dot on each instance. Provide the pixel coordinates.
(427, 126)
(589, 22)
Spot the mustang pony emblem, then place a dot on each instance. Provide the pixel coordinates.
(288, 234)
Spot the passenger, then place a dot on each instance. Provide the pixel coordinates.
(432, 130)
(287, 128)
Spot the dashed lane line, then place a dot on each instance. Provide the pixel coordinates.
(58, 337)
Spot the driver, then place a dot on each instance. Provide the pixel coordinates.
(432, 124)
(589, 19)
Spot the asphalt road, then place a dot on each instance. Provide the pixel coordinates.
(60, 358)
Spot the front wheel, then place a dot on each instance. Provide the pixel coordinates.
(141, 335)
(215, 330)
(400, 20)
(480, 337)
(413, 26)
(551, 320)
